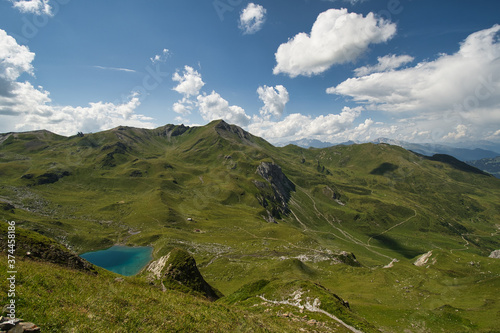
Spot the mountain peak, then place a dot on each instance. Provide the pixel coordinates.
(231, 132)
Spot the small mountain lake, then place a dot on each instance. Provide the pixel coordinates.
(121, 259)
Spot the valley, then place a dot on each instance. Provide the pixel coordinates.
(344, 220)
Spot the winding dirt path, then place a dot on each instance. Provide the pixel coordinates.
(347, 236)
(313, 308)
(394, 226)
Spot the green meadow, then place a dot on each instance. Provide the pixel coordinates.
(356, 221)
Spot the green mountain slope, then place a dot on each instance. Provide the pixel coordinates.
(342, 213)
(64, 300)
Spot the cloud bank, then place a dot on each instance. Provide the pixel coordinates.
(468, 79)
(25, 107)
(454, 97)
(297, 126)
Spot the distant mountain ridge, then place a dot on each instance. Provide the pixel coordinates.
(307, 143)
(490, 165)
(429, 149)
(464, 151)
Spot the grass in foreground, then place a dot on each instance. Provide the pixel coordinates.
(64, 300)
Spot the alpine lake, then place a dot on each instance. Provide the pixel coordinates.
(121, 259)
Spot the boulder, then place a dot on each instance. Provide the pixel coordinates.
(495, 254)
(16, 325)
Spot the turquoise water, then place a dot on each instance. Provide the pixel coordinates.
(120, 259)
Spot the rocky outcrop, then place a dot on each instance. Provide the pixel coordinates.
(275, 192)
(495, 254)
(31, 245)
(16, 325)
(347, 258)
(57, 254)
(169, 131)
(230, 131)
(177, 270)
(422, 260)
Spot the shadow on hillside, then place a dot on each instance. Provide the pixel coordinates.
(456, 164)
(383, 168)
(396, 246)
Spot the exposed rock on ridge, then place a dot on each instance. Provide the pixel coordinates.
(170, 131)
(224, 129)
(178, 270)
(274, 199)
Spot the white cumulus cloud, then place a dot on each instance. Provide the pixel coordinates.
(275, 99)
(37, 7)
(214, 107)
(252, 18)
(210, 106)
(298, 126)
(459, 133)
(336, 37)
(464, 81)
(190, 82)
(386, 63)
(184, 106)
(452, 97)
(14, 60)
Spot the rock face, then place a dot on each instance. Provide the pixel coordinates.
(34, 246)
(495, 254)
(59, 255)
(275, 194)
(178, 270)
(170, 131)
(422, 260)
(226, 130)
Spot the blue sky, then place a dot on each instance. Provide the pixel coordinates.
(338, 70)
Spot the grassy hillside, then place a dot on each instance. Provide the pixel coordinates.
(352, 211)
(63, 300)
(61, 297)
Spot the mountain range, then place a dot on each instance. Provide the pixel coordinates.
(481, 154)
(490, 165)
(362, 237)
(464, 151)
(459, 152)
